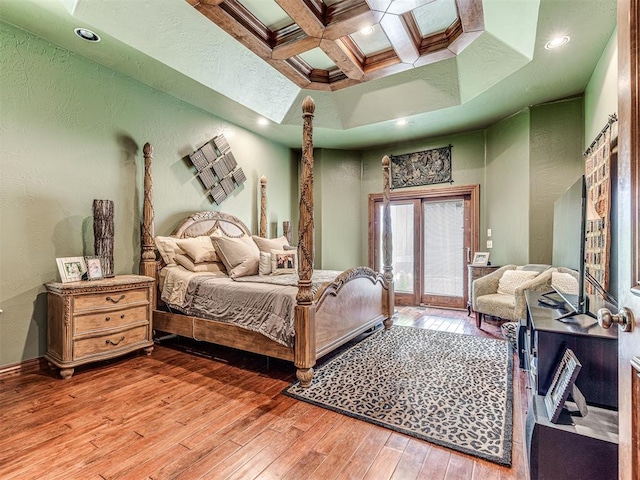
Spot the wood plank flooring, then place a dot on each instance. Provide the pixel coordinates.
(216, 414)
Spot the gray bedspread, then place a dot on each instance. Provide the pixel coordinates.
(263, 308)
(263, 304)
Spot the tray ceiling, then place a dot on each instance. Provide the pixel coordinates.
(444, 66)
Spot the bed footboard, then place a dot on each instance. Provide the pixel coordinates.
(353, 303)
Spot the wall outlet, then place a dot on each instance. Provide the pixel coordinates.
(489, 243)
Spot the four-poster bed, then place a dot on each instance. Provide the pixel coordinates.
(324, 316)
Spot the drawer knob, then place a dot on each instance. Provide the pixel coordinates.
(122, 316)
(111, 342)
(107, 319)
(115, 300)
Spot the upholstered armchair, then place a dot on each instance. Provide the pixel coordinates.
(501, 293)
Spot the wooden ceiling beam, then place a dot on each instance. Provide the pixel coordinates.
(471, 15)
(306, 14)
(343, 58)
(351, 21)
(229, 24)
(398, 33)
(295, 47)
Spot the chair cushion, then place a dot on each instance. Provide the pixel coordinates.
(498, 305)
(512, 279)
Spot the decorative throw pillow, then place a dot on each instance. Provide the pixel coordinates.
(512, 279)
(264, 268)
(283, 261)
(200, 249)
(168, 249)
(268, 244)
(565, 283)
(240, 255)
(212, 267)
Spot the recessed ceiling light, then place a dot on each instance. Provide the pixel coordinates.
(557, 42)
(401, 122)
(87, 35)
(263, 121)
(366, 30)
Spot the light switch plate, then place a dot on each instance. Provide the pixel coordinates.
(488, 232)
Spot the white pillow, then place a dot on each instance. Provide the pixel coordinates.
(200, 249)
(264, 268)
(268, 244)
(240, 255)
(512, 279)
(283, 261)
(168, 249)
(212, 267)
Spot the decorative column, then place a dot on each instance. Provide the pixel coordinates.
(305, 351)
(103, 234)
(387, 243)
(286, 231)
(263, 206)
(148, 256)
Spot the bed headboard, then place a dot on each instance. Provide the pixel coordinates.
(205, 223)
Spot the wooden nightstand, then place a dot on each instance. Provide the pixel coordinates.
(96, 320)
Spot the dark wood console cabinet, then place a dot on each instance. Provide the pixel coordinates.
(545, 339)
(575, 447)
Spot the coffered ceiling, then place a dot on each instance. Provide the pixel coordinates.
(443, 66)
(334, 44)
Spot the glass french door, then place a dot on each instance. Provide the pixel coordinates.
(432, 238)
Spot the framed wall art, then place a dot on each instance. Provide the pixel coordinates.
(427, 167)
(217, 168)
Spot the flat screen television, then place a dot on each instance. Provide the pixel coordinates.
(569, 228)
(569, 242)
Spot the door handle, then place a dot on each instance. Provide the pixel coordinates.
(624, 318)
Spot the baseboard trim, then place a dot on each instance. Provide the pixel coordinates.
(32, 365)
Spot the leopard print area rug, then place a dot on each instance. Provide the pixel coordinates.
(450, 389)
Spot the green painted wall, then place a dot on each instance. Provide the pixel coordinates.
(338, 209)
(506, 204)
(555, 156)
(72, 131)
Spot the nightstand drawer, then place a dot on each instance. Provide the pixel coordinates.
(108, 320)
(110, 343)
(111, 299)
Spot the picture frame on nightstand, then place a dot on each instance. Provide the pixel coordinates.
(480, 258)
(94, 268)
(71, 269)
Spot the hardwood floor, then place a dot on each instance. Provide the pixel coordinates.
(177, 414)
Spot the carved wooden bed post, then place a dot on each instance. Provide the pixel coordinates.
(305, 350)
(387, 244)
(263, 206)
(148, 264)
